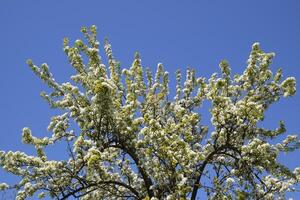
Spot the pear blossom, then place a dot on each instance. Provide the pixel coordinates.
(136, 142)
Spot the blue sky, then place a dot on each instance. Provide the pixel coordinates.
(176, 33)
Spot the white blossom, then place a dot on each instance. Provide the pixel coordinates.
(132, 138)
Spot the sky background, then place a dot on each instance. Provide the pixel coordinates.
(178, 34)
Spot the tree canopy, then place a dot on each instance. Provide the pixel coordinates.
(135, 141)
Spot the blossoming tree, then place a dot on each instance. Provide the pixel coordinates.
(136, 142)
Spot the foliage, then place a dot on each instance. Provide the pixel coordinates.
(134, 142)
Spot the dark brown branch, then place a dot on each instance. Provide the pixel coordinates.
(146, 178)
(201, 170)
(101, 183)
(131, 152)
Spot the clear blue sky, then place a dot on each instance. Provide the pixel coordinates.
(195, 33)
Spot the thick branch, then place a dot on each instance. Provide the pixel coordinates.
(135, 158)
(101, 183)
(146, 178)
(201, 170)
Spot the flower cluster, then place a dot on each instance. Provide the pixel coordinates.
(135, 142)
